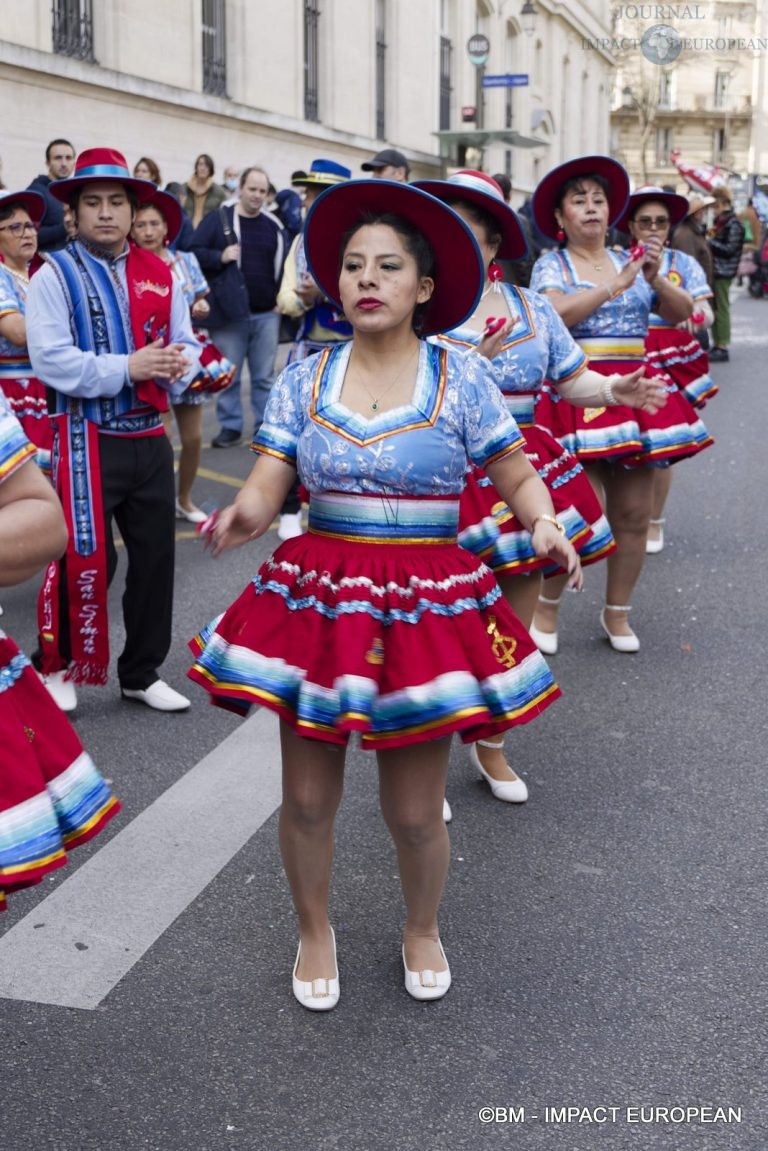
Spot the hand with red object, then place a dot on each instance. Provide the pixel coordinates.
(496, 331)
(637, 251)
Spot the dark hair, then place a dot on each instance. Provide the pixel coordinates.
(576, 184)
(647, 200)
(53, 144)
(154, 171)
(253, 168)
(504, 182)
(7, 210)
(415, 243)
(208, 161)
(482, 218)
(175, 189)
(76, 193)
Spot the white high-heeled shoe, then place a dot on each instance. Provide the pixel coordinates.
(653, 547)
(623, 643)
(427, 984)
(507, 790)
(546, 641)
(319, 994)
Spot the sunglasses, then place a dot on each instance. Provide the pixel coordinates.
(652, 221)
(19, 229)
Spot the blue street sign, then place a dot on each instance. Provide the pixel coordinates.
(506, 80)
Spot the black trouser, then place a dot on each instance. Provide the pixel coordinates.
(138, 492)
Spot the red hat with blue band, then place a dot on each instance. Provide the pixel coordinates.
(459, 272)
(95, 165)
(547, 194)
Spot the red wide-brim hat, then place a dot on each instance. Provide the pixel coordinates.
(477, 188)
(677, 205)
(459, 271)
(546, 195)
(32, 202)
(98, 164)
(170, 209)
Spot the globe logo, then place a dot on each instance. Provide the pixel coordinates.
(661, 44)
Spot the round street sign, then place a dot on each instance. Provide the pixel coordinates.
(478, 49)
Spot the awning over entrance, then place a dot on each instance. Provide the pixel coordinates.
(481, 138)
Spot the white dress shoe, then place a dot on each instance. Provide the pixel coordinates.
(289, 527)
(546, 641)
(653, 547)
(193, 516)
(427, 984)
(159, 695)
(624, 643)
(507, 790)
(447, 813)
(320, 994)
(61, 690)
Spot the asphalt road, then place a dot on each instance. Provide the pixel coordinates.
(607, 939)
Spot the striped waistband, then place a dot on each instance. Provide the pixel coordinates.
(613, 347)
(520, 406)
(15, 368)
(403, 519)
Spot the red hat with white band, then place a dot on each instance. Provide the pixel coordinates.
(482, 190)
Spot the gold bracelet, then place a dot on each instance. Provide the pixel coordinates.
(550, 520)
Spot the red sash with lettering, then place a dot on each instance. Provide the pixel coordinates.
(77, 479)
(150, 286)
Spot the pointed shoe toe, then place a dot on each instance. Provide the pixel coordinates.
(506, 790)
(627, 644)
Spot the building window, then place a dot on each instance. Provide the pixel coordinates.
(664, 146)
(381, 81)
(720, 146)
(721, 89)
(311, 59)
(73, 28)
(446, 49)
(665, 90)
(214, 48)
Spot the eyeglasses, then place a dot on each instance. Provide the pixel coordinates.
(19, 229)
(652, 221)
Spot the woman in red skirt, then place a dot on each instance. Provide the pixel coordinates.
(20, 215)
(531, 344)
(605, 297)
(51, 796)
(376, 620)
(673, 348)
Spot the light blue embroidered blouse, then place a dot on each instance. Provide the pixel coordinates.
(422, 448)
(626, 315)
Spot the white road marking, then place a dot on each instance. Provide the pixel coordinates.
(80, 941)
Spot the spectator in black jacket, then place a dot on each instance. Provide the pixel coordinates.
(726, 242)
(241, 250)
(60, 158)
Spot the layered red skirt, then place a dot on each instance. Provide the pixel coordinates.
(490, 529)
(26, 399)
(679, 354)
(376, 621)
(52, 798)
(617, 433)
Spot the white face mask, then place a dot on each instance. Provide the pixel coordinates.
(232, 183)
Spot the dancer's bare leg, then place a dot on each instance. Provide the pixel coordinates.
(313, 781)
(411, 790)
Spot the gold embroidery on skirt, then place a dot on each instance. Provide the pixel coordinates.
(376, 653)
(503, 646)
(592, 414)
(30, 733)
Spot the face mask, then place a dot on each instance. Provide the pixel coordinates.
(232, 183)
